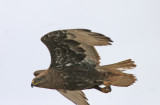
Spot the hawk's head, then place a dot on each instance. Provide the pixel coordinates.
(40, 80)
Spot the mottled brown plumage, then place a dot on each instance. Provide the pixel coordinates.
(75, 65)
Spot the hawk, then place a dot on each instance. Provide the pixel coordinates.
(75, 65)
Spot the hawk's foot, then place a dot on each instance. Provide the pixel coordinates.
(106, 89)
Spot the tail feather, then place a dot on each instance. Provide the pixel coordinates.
(115, 73)
(123, 65)
(122, 80)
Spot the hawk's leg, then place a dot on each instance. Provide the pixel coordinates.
(107, 83)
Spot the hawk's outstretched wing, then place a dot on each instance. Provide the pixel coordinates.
(77, 97)
(74, 47)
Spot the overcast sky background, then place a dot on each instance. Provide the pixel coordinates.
(133, 25)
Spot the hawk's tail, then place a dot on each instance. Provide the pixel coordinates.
(115, 73)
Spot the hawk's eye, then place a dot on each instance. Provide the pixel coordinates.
(38, 80)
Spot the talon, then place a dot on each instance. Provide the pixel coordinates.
(106, 89)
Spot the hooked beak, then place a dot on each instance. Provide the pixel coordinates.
(32, 84)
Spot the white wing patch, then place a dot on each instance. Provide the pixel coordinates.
(68, 64)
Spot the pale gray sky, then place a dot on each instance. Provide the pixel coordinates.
(133, 25)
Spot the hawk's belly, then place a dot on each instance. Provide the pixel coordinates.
(79, 80)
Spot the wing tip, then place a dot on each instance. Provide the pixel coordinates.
(101, 39)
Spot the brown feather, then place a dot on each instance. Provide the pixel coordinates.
(116, 76)
(77, 97)
(88, 37)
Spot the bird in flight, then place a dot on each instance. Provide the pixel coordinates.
(75, 65)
